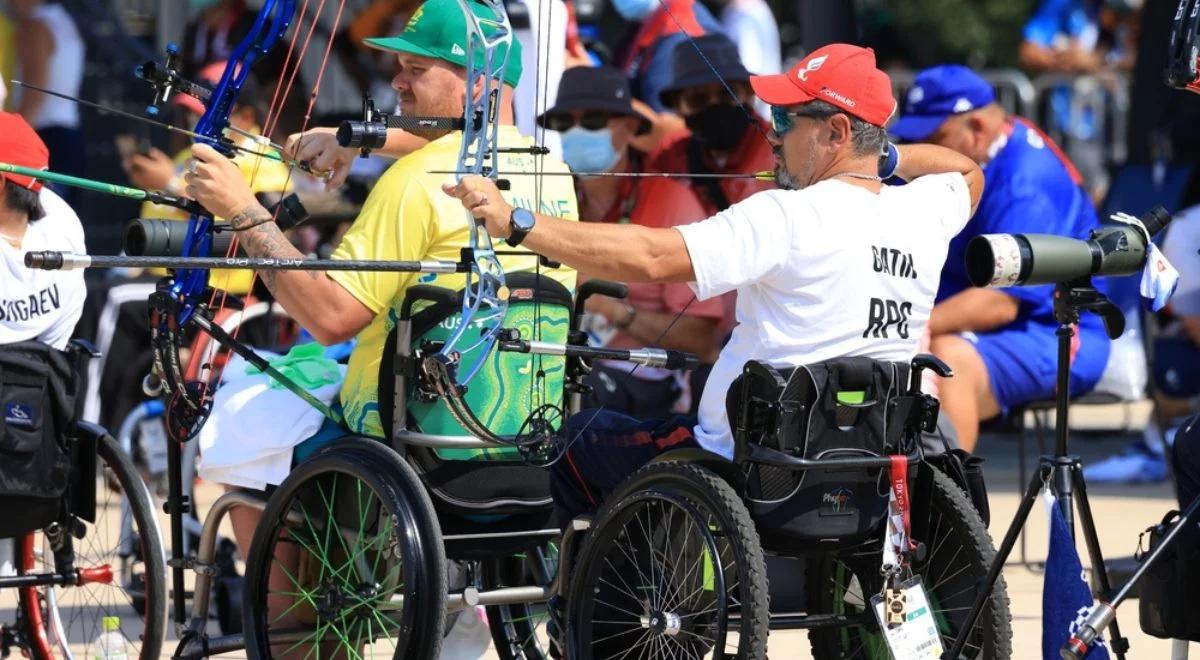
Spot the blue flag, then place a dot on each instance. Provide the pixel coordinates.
(1066, 597)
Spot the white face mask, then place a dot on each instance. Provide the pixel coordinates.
(589, 151)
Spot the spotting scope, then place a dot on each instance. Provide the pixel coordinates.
(1114, 248)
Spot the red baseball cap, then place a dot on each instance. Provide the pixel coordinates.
(839, 74)
(20, 145)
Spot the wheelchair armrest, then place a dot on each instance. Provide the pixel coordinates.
(924, 361)
(425, 292)
(590, 288)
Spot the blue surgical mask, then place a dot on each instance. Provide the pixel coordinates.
(589, 151)
(635, 10)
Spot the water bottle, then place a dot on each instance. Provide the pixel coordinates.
(110, 645)
(469, 638)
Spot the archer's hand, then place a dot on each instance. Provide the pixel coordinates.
(216, 182)
(482, 198)
(320, 149)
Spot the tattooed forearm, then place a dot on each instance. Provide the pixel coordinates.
(266, 240)
(249, 217)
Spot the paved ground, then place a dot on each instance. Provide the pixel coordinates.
(1122, 512)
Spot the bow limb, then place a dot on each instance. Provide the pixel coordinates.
(485, 299)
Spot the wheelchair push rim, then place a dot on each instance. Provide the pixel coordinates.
(349, 563)
(673, 568)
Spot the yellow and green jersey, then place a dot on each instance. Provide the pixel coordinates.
(408, 217)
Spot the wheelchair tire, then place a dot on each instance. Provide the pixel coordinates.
(522, 631)
(64, 621)
(680, 614)
(389, 601)
(954, 536)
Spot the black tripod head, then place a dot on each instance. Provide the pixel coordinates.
(1071, 298)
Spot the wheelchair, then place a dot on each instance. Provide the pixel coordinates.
(100, 557)
(809, 480)
(673, 562)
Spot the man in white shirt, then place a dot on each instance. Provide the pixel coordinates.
(835, 264)
(40, 305)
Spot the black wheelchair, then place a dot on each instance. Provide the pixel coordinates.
(351, 554)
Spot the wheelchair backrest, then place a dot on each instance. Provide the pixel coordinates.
(511, 385)
(813, 409)
(841, 408)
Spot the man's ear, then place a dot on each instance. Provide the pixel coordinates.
(839, 129)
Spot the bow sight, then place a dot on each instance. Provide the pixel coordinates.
(370, 132)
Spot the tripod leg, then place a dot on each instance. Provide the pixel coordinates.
(1117, 643)
(1006, 548)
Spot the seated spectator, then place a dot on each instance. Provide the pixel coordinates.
(1176, 367)
(723, 136)
(752, 26)
(662, 25)
(1070, 37)
(594, 115)
(269, 179)
(1000, 342)
(41, 305)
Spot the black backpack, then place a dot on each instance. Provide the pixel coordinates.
(37, 410)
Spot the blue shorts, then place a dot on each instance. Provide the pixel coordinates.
(1021, 360)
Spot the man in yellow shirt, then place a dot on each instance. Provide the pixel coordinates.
(406, 216)
(268, 177)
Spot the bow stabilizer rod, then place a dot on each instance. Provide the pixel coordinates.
(52, 260)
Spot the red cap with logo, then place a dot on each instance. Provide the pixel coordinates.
(839, 74)
(20, 145)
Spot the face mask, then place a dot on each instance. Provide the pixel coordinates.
(634, 10)
(589, 151)
(719, 126)
(201, 5)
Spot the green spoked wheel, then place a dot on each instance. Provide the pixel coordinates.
(673, 567)
(958, 553)
(346, 562)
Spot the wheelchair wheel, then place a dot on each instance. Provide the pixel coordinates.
(673, 567)
(360, 570)
(522, 631)
(958, 553)
(120, 561)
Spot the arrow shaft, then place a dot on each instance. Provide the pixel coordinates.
(77, 182)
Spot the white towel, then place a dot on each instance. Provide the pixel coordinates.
(249, 437)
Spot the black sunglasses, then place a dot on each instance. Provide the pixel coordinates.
(592, 120)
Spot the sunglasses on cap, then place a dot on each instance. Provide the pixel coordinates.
(782, 119)
(592, 120)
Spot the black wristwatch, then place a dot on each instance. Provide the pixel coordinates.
(520, 224)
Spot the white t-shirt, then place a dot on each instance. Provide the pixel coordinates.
(42, 304)
(829, 271)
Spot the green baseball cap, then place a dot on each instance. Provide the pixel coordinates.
(439, 29)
